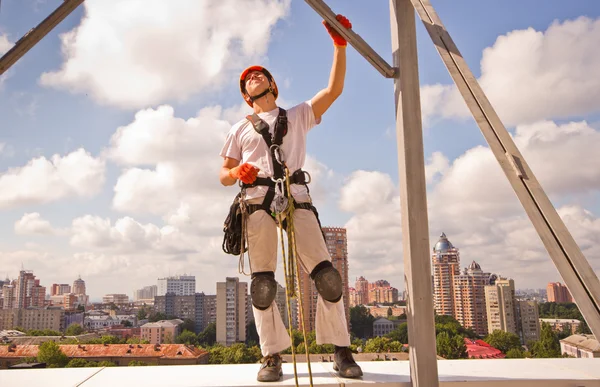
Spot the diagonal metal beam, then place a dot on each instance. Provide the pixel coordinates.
(564, 252)
(36, 34)
(353, 38)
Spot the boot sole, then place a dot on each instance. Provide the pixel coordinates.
(275, 380)
(336, 368)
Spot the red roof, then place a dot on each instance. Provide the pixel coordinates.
(479, 349)
(164, 351)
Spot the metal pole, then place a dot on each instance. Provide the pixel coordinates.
(33, 36)
(353, 38)
(413, 195)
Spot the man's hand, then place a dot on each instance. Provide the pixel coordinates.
(337, 38)
(246, 173)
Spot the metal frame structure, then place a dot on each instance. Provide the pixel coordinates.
(564, 252)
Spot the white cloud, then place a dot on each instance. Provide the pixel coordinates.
(374, 230)
(140, 52)
(530, 75)
(5, 44)
(33, 223)
(127, 236)
(45, 180)
(473, 203)
(170, 162)
(436, 165)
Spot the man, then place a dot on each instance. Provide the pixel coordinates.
(248, 157)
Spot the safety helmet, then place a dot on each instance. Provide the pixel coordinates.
(272, 85)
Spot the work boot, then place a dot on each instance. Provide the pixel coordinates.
(270, 371)
(344, 363)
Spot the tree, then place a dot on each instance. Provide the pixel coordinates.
(142, 314)
(106, 363)
(77, 363)
(187, 337)
(74, 330)
(126, 323)
(400, 333)
(50, 353)
(390, 312)
(81, 308)
(548, 345)
(237, 353)
(251, 334)
(137, 363)
(504, 341)
(189, 324)
(154, 317)
(583, 328)
(361, 321)
(208, 336)
(451, 347)
(515, 353)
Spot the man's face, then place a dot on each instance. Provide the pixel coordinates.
(256, 83)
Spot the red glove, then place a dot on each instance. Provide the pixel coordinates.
(337, 38)
(245, 172)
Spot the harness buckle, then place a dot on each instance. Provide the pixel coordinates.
(307, 175)
(276, 149)
(280, 202)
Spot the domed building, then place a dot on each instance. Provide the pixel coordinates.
(446, 265)
(456, 294)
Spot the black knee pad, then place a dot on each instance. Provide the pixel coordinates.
(328, 281)
(263, 289)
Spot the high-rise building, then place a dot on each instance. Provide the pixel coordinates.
(183, 307)
(29, 292)
(355, 299)
(558, 293)
(362, 291)
(529, 324)
(337, 246)
(210, 309)
(280, 300)
(180, 285)
(232, 301)
(78, 286)
(446, 266)
(146, 293)
(500, 306)
(79, 291)
(60, 289)
(9, 296)
(469, 299)
(381, 292)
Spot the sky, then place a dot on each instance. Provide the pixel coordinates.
(111, 129)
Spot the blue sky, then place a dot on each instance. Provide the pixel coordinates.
(93, 186)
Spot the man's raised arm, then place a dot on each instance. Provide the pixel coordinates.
(324, 98)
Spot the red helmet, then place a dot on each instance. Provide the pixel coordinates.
(272, 85)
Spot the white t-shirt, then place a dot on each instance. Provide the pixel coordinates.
(243, 143)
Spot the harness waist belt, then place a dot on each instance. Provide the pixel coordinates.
(298, 177)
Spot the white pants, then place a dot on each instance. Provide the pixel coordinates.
(330, 321)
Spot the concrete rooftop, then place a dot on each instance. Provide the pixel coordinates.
(453, 373)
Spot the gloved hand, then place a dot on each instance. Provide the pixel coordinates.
(337, 38)
(246, 173)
